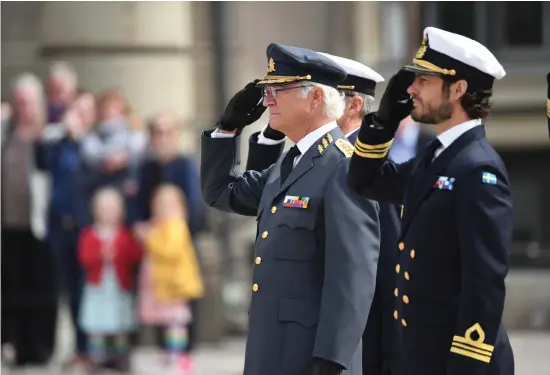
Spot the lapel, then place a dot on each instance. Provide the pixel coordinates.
(422, 180)
(306, 162)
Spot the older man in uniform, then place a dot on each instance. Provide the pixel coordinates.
(264, 150)
(318, 241)
(457, 219)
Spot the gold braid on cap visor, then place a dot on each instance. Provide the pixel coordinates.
(429, 67)
(283, 79)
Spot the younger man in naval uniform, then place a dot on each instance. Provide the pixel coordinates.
(457, 219)
(318, 242)
(264, 150)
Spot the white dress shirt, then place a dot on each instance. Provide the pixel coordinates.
(449, 136)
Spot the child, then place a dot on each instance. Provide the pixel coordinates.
(116, 145)
(170, 273)
(107, 252)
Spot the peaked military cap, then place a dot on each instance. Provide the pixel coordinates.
(289, 64)
(360, 78)
(448, 54)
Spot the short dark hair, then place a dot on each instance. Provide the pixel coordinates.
(476, 104)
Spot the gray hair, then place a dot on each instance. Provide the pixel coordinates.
(65, 70)
(333, 100)
(32, 83)
(367, 101)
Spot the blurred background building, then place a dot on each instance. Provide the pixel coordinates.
(190, 57)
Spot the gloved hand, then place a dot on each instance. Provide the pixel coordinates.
(324, 367)
(396, 103)
(243, 109)
(271, 133)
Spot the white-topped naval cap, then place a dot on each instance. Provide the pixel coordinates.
(449, 54)
(355, 68)
(361, 78)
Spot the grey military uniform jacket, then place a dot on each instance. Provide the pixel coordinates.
(316, 253)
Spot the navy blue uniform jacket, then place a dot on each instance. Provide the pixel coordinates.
(453, 252)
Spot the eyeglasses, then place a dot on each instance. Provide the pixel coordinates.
(272, 91)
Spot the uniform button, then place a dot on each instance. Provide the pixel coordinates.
(401, 246)
(396, 292)
(264, 234)
(413, 253)
(397, 268)
(404, 322)
(395, 314)
(273, 209)
(407, 276)
(255, 287)
(406, 299)
(258, 260)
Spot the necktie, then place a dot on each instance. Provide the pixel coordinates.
(288, 162)
(430, 151)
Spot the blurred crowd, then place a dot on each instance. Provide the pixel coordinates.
(99, 206)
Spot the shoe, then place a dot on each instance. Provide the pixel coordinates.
(185, 364)
(76, 363)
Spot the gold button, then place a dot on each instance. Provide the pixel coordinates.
(273, 209)
(395, 314)
(396, 292)
(397, 268)
(401, 246)
(264, 234)
(407, 276)
(406, 299)
(404, 322)
(258, 260)
(255, 287)
(412, 254)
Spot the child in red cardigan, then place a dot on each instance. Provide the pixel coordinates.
(107, 252)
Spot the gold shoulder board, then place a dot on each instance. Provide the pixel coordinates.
(344, 146)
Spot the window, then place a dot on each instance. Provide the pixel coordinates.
(523, 25)
(514, 31)
(529, 182)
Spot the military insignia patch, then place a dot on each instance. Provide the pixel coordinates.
(344, 146)
(324, 142)
(488, 178)
(295, 201)
(423, 47)
(320, 149)
(329, 137)
(271, 65)
(444, 183)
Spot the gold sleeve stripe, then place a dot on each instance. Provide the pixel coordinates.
(373, 151)
(365, 146)
(474, 344)
(371, 155)
(467, 347)
(548, 107)
(467, 353)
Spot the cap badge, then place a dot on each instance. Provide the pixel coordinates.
(423, 47)
(271, 65)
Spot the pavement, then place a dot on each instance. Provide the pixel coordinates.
(531, 349)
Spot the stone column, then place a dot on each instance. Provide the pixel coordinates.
(20, 41)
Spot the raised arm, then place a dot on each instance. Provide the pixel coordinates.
(370, 173)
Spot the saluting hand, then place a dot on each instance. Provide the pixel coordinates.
(396, 103)
(243, 109)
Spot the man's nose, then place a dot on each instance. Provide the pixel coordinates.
(269, 100)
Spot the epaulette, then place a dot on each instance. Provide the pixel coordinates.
(325, 141)
(344, 146)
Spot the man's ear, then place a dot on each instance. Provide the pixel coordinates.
(459, 89)
(318, 96)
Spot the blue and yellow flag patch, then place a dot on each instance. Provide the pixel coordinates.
(488, 178)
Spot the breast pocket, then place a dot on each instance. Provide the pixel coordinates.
(296, 238)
